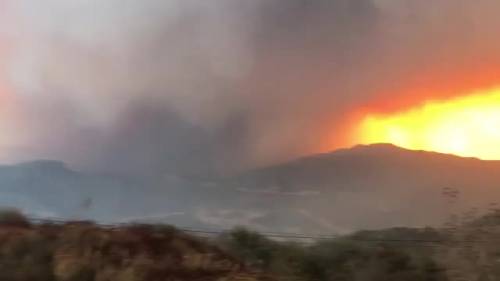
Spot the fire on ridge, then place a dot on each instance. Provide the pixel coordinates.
(468, 126)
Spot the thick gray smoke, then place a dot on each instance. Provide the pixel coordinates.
(202, 87)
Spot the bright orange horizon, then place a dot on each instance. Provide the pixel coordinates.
(466, 126)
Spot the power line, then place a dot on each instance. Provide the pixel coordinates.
(284, 235)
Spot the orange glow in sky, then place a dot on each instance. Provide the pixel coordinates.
(465, 126)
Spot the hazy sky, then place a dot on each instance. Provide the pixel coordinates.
(190, 86)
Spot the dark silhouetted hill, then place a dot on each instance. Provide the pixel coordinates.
(365, 187)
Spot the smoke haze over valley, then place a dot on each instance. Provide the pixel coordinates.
(203, 88)
(366, 187)
(182, 111)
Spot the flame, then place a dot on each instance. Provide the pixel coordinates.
(466, 126)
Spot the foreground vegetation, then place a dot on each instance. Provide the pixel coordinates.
(351, 258)
(466, 249)
(83, 251)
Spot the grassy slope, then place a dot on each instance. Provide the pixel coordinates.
(85, 252)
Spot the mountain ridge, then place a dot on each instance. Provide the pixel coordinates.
(369, 187)
(377, 149)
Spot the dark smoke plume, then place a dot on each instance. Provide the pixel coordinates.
(210, 87)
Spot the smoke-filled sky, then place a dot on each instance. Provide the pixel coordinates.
(214, 86)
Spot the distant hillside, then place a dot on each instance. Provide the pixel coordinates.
(381, 163)
(377, 186)
(365, 187)
(50, 189)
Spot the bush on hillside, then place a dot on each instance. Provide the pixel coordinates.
(12, 217)
(336, 259)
